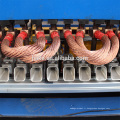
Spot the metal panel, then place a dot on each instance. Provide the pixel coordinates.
(57, 106)
(59, 9)
(59, 87)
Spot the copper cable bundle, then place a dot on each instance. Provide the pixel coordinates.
(19, 50)
(30, 53)
(98, 57)
(47, 54)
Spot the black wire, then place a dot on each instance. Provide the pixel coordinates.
(88, 112)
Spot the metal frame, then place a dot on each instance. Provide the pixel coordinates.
(59, 87)
(60, 9)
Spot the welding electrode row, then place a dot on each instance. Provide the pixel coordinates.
(36, 72)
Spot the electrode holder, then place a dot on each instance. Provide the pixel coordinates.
(114, 70)
(20, 71)
(100, 72)
(9, 62)
(84, 71)
(68, 68)
(53, 69)
(36, 73)
(6, 69)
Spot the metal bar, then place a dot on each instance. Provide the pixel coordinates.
(59, 87)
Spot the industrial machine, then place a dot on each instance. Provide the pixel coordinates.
(59, 47)
(78, 56)
(45, 59)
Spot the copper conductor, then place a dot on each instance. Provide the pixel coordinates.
(97, 57)
(19, 50)
(45, 55)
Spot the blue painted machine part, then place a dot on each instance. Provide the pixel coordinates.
(59, 9)
(58, 106)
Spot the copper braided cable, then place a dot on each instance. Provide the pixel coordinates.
(113, 51)
(36, 47)
(18, 42)
(22, 50)
(81, 52)
(94, 57)
(47, 54)
(30, 49)
(97, 55)
(110, 55)
(105, 48)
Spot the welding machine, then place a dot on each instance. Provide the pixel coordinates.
(59, 46)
